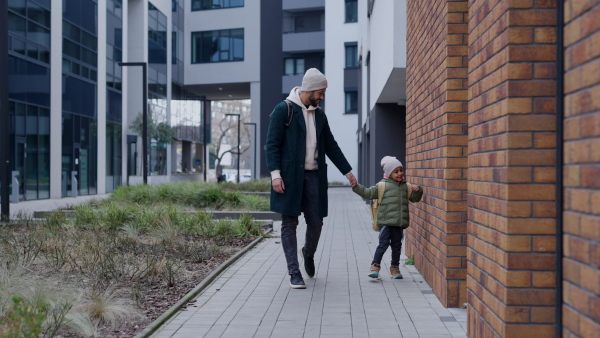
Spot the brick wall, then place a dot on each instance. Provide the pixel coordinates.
(436, 119)
(581, 222)
(512, 158)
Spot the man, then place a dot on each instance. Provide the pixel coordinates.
(296, 160)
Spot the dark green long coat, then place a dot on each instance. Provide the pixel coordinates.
(285, 149)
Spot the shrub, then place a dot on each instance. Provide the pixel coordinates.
(22, 320)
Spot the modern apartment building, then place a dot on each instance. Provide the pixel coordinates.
(76, 112)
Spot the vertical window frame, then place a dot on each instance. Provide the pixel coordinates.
(351, 47)
(351, 17)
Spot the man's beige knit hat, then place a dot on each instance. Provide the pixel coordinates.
(313, 80)
(390, 163)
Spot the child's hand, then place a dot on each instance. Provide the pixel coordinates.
(415, 188)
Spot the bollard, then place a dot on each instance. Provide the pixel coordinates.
(14, 196)
(73, 183)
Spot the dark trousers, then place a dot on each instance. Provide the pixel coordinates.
(389, 235)
(314, 223)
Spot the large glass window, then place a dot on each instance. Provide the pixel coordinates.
(157, 51)
(201, 5)
(293, 66)
(351, 102)
(29, 95)
(79, 96)
(351, 10)
(351, 55)
(218, 46)
(114, 97)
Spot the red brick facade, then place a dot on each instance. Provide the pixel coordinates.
(482, 141)
(581, 286)
(437, 143)
(512, 168)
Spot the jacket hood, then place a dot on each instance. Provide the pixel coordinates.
(295, 97)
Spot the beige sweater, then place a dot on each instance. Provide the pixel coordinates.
(311, 154)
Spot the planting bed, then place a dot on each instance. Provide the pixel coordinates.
(110, 268)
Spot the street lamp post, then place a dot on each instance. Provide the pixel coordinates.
(255, 144)
(202, 99)
(238, 147)
(4, 116)
(144, 116)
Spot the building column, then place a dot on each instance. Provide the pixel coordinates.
(101, 90)
(436, 144)
(56, 23)
(512, 169)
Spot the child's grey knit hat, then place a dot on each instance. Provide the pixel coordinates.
(313, 80)
(390, 163)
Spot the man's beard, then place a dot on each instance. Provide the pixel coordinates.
(312, 100)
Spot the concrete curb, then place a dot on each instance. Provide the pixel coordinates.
(256, 215)
(173, 310)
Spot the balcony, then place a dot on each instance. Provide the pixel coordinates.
(295, 5)
(304, 42)
(290, 81)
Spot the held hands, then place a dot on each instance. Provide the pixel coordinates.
(415, 188)
(278, 185)
(351, 179)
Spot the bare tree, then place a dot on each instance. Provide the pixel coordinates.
(224, 129)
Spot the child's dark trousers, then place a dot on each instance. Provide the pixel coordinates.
(389, 236)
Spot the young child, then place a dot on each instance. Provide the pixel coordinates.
(393, 216)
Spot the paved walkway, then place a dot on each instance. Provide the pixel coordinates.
(51, 204)
(253, 298)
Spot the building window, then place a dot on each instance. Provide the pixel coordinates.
(351, 55)
(218, 46)
(351, 10)
(351, 102)
(293, 66)
(201, 5)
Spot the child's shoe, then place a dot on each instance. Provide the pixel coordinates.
(374, 271)
(395, 272)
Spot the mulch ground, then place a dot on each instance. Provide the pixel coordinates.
(159, 298)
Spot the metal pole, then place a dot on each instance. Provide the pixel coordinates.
(145, 122)
(4, 116)
(238, 146)
(255, 144)
(144, 116)
(238, 151)
(204, 135)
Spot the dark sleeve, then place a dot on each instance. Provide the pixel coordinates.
(416, 196)
(333, 151)
(275, 135)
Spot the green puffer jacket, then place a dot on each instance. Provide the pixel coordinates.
(393, 210)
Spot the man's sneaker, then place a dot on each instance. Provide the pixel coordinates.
(374, 271)
(309, 265)
(296, 281)
(395, 272)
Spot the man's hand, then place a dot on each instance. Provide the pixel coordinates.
(278, 185)
(351, 179)
(415, 188)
